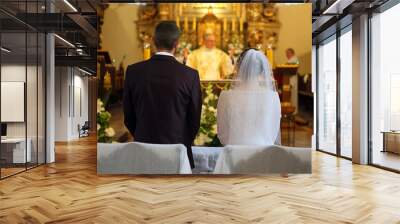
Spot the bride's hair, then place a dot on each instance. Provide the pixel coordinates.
(254, 70)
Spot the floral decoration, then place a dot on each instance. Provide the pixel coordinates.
(235, 46)
(105, 133)
(207, 135)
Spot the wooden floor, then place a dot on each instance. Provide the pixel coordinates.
(70, 191)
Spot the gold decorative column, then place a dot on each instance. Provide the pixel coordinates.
(146, 51)
(270, 55)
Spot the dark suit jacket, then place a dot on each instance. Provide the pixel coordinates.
(162, 102)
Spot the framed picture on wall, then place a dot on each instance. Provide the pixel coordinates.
(12, 101)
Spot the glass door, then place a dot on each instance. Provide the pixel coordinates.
(14, 153)
(385, 89)
(326, 101)
(22, 77)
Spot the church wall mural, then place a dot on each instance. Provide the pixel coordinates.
(126, 32)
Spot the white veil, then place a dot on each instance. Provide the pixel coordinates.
(254, 71)
(250, 113)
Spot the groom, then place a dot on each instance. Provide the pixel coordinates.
(162, 97)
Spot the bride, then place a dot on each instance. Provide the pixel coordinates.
(250, 113)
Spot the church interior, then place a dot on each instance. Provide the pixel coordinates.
(62, 68)
(126, 34)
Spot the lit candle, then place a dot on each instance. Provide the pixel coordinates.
(146, 52)
(186, 24)
(233, 24)
(177, 21)
(270, 56)
(241, 24)
(225, 24)
(194, 24)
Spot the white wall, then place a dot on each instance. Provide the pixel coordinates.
(33, 127)
(80, 97)
(70, 84)
(16, 73)
(62, 81)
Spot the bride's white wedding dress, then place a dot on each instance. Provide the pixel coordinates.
(250, 113)
(249, 117)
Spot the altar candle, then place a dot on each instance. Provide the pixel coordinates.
(225, 24)
(270, 56)
(177, 21)
(186, 24)
(241, 24)
(146, 52)
(233, 24)
(194, 24)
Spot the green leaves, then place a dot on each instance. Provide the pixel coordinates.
(105, 133)
(207, 135)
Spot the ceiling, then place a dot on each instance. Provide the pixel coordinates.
(72, 20)
(331, 15)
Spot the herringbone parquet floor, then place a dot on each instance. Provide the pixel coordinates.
(69, 191)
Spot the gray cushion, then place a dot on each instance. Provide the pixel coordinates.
(142, 158)
(242, 159)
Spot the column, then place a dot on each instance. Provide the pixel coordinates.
(360, 90)
(50, 98)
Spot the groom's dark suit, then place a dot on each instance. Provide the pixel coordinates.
(162, 102)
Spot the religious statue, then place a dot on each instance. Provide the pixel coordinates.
(270, 13)
(211, 62)
(147, 12)
(254, 12)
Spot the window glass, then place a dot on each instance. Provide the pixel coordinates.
(346, 94)
(385, 89)
(15, 149)
(327, 96)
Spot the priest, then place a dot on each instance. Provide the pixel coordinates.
(291, 57)
(211, 62)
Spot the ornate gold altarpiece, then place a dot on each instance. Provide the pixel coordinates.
(251, 25)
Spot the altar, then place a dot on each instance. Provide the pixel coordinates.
(213, 34)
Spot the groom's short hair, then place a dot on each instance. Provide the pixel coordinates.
(166, 35)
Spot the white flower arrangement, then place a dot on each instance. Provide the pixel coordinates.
(105, 133)
(207, 135)
(214, 129)
(202, 139)
(100, 106)
(109, 132)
